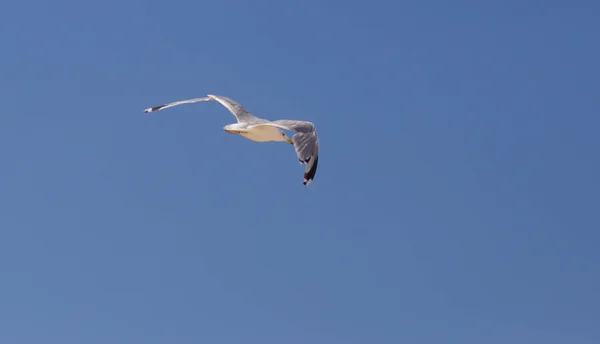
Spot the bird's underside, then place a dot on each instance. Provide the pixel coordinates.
(305, 140)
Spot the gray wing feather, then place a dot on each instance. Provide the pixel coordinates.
(240, 113)
(306, 144)
(168, 105)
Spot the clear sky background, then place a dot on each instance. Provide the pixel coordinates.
(456, 199)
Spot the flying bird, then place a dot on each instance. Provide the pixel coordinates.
(305, 140)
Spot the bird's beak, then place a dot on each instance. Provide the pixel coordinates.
(289, 141)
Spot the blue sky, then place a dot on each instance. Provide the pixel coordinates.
(456, 199)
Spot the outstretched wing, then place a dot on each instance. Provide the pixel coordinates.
(306, 144)
(187, 101)
(240, 113)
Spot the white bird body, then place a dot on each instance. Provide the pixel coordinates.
(305, 140)
(260, 133)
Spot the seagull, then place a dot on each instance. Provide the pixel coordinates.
(305, 140)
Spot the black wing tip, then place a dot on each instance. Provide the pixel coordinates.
(310, 175)
(156, 108)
